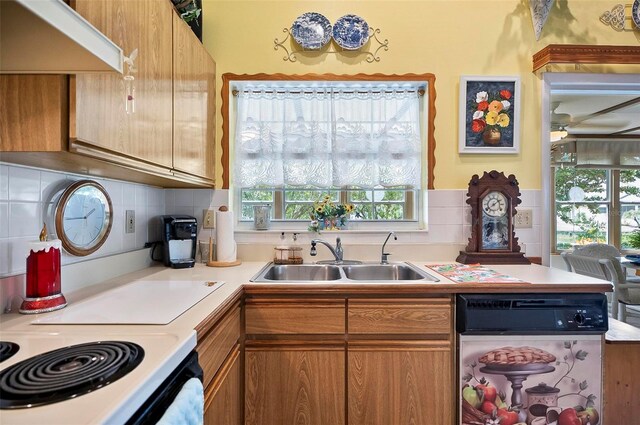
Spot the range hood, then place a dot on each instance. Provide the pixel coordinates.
(49, 37)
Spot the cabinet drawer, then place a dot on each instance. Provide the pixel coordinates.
(407, 316)
(214, 347)
(295, 316)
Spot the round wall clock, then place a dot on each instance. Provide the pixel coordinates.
(83, 217)
(493, 198)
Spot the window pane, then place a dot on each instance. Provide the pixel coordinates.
(364, 212)
(360, 195)
(247, 212)
(580, 224)
(310, 195)
(630, 186)
(587, 185)
(389, 211)
(298, 211)
(389, 195)
(257, 195)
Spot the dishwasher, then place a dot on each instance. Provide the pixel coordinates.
(530, 358)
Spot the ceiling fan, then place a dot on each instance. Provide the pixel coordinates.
(562, 123)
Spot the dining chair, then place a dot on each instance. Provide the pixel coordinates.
(624, 293)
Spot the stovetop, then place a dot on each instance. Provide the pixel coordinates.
(66, 373)
(114, 398)
(7, 349)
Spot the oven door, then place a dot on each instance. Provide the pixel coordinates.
(156, 405)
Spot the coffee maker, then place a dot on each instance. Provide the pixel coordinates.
(179, 235)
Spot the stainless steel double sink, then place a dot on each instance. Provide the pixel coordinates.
(342, 273)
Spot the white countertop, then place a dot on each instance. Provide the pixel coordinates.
(162, 342)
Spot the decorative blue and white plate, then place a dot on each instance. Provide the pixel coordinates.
(351, 32)
(311, 30)
(635, 13)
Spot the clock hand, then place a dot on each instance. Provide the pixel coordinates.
(90, 212)
(74, 218)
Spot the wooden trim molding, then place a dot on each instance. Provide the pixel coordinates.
(431, 106)
(585, 54)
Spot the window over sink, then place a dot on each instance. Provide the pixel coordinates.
(362, 141)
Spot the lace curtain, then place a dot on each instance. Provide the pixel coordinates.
(327, 138)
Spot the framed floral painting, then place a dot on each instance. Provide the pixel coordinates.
(489, 115)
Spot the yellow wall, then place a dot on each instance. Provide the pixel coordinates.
(448, 38)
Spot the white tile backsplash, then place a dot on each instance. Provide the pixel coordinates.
(4, 219)
(4, 183)
(24, 184)
(447, 198)
(25, 219)
(184, 198)
(28, 196)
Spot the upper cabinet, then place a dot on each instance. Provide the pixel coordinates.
(152, 124)
(193, 103)
(140, 127)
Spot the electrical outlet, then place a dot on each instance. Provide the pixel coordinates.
(523, 219)
(130, 221)
(209, 219)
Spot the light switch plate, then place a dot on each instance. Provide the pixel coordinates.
(208, 219)
(523, 219)
(130, 221)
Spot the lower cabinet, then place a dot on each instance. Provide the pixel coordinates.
(348, 360)
(294, 385)
(223, 398)
(400, 383)
(219, 354)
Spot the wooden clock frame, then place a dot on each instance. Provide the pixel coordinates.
(479, 187)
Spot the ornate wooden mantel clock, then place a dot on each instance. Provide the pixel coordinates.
(493, 199)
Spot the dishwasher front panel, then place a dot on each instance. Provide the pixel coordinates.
(545, 379)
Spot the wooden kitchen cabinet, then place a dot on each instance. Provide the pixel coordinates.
(193, 104)
(400, 382)
(400, 368)
(81, 123)
(219, 353)
(294, 360)
(355, 360)
(295, 384)
(100, 123)
(223, 398)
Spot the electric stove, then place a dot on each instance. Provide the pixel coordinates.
(86, 375)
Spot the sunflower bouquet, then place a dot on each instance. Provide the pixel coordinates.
(327, 215)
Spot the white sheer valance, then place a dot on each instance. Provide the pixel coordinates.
(328, 137)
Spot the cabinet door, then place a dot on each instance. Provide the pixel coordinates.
(194, 103)
(400, 382)
(223, 404)
(98, 113)
(289, 385)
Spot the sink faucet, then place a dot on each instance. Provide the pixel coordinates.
(384, 258)
(338, 253)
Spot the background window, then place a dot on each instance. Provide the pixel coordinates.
(595, 205)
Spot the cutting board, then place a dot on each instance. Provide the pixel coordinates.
(140, 302)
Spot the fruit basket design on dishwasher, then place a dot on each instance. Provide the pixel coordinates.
(513, 380)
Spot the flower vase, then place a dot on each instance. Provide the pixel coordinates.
(491, 136)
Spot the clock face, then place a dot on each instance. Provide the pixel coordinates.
(494, 204)
(83, 217)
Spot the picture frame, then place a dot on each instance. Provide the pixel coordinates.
(489, 115)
